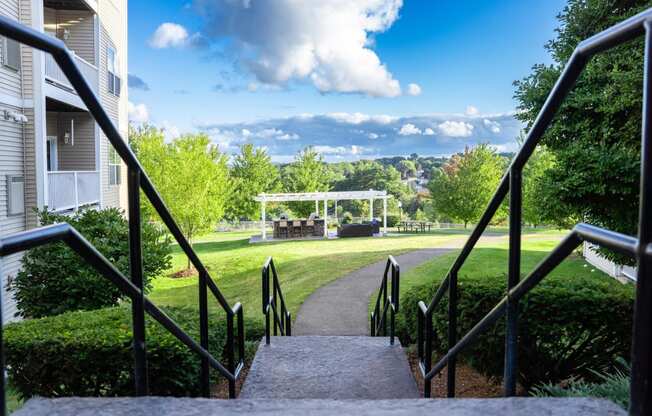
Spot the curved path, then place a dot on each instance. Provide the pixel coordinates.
(342, 307)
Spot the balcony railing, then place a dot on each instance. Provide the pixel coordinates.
(70, 190)
(55, 75)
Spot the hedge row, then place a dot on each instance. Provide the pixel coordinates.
(89, 353)
(568, 327)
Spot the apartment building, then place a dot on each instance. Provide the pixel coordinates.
(52, 153)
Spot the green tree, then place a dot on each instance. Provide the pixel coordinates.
(461, 189)
(308, 173)
(252, 173)
(595, 136)
(407, 168)
(191, 175)
(535, 188)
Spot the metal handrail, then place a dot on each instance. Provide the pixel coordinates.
(386, 302)
(641, 383)
(137, 181)
(282, 319)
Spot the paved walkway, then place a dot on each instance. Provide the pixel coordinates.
(341, 307)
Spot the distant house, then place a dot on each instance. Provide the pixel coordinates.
(52, 154)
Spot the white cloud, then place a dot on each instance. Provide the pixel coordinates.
(357, 118)
(472, 111)
(455, 129)
(409, 129)
(428, 132)
(372, 136)
(327, 42)
(245, 132)
(493, 126)
(341, 150)
(414, 89)
(169, 35)
(288, 136)
(138, 113)
(170, 131)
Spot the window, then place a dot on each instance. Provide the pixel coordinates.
(15, 195)
(11, 54)
(113, 68)
(115, 166)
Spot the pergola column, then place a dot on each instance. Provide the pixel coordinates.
(317, 207)
(325, 218)
(262, 219)
(384, 215)
(371, 209)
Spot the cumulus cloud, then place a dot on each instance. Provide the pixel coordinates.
(173, 35)
(428, 132)
(137, 83)
(138, 113)
(358, 118)
(341, 150)
(455, 128)
(372, 136)
(327, 42)
(493, 126)
(409, 129)
(472, 111)
(414, 89)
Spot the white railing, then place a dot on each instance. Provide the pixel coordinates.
(70, 190)
(55, 75)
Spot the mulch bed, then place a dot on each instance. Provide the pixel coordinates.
(184, 273)
(220, 390)
(469, 383)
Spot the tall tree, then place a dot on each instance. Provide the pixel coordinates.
(191, 175)
(461, 189)
(535, 189)
(252, 173)
(407, 168)
(595, 136)
(308, 173)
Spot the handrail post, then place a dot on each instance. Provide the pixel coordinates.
(230, 352)
(274, 300)
(384, 313)
(3, 382)
(513, 277)
(641, 379)
(136, 271)
(452, 331)
(203, 334)
(427, 362)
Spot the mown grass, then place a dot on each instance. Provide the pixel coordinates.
(303, 266)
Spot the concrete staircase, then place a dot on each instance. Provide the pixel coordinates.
(322, 375)
(329, 367)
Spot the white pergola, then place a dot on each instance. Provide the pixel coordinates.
(369, 195)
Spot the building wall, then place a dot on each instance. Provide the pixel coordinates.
(113, 26)
(81, 28)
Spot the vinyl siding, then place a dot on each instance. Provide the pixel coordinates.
(11, 163)
(9, 78)
(81, 155)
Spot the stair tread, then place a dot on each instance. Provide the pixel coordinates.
(170, 406)
(330, 367)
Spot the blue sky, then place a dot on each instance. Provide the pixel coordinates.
(356, 78)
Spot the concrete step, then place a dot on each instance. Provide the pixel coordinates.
(330, 367)
(169, 406)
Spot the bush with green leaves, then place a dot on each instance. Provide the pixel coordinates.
(613, 386)
(89, 353)
(54, 279)
(347, 218)
(567, 326)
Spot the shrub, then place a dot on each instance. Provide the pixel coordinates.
(89, 353)
(613, 386)
(347, 218)
(393, 220)
(566, 326)
(54, 279)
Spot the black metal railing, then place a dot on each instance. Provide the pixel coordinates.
(640, 248)
(386, 302)
(274, 304)
(137, 181)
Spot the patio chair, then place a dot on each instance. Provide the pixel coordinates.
(310, 227)
(283, 229)
(296, 229)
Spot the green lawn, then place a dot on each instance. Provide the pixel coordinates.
(490, 259)
(303, 266)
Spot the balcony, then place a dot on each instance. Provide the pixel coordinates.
(71, 190)
(55, 76)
